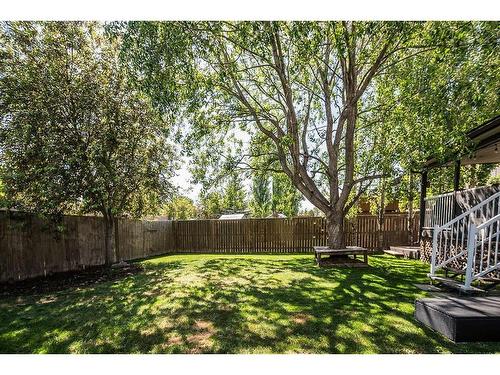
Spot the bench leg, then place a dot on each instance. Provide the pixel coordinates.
(365, 258)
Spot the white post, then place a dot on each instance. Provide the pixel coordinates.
(471, 247)
(434, 250)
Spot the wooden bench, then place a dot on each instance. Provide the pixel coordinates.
(341, 257)
(408, 252)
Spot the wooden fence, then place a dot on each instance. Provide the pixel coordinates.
(29, 247)
(286, 235)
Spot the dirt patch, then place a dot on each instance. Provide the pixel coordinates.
(204, 325)
(201, 340)
(175, 340)
(342, 261)
(66, 280)
(301, 318)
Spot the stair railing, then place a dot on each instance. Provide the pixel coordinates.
(482, 250)
(438, 209)
(450, 240)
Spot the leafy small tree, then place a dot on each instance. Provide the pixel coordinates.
(179, 208)
(227, 196)
(210, 204)
(285, 196)
(75, 134)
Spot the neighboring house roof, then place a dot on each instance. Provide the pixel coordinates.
(277, 214)
(485, 130)
(391, 206)
(232, 216)
(161, 218)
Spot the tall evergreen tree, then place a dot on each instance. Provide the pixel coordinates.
(234, 196)
(261, 196)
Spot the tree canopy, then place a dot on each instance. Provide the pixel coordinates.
(76, 136)
(319, 92)
(179, 208)
(332, 110)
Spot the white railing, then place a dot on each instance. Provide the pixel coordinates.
(450, 242)
(482, 250)
(439, 209)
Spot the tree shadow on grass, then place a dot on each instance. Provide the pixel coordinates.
(233, 305)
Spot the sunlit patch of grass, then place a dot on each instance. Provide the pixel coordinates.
(232, 304)
(189, 279)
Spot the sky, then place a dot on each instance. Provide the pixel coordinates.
(186, 188)
(183, 177)
(183, 181)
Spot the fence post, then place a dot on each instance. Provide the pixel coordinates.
(175, 237)
(471, 247)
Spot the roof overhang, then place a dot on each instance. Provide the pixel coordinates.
(483, 139)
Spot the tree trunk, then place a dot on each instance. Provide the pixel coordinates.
(109, 238)
(335, 230)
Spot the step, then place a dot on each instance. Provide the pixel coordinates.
(409, 252)
(461, 319)
(454, 284)
(454, 270)
(394, 253)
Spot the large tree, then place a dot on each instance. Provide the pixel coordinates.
(75, 134)
(307, 87)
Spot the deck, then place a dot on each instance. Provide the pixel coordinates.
(461, 319)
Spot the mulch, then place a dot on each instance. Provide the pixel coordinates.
(65, 280)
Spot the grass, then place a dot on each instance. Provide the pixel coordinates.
(232, 304)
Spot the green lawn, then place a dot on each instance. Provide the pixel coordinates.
(232, 304)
